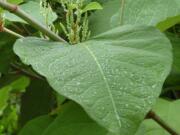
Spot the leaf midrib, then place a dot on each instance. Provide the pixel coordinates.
(106, 82)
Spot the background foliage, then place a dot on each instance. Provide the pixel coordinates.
(103, 86)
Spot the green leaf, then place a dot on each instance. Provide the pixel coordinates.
(168, 23)
(134, 12)
(73, 120)
(116, 76)
(4, 96)
(9, 120)
(20, 84)
(92, 6)
(36, 126)
(101, 1)
(60, 99)
(17, 85)
(1, 10)
(33, 9)
(15, 1)
(169, 112)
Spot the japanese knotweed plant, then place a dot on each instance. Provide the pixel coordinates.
(76, 27)
(115, 76)
(47, 13)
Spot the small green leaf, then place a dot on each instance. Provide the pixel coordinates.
(15, 1)
(4, 96)
(17, 85)
(169, 22)
(92, 6)
(20, 84)
(1, 10)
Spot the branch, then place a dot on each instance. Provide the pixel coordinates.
(11, 32)
(26, 73)
(20, 13)
(162, 123)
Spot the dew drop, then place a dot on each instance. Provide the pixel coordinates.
(126, 105)
(153, 86)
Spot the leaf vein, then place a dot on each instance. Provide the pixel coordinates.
(106, 82)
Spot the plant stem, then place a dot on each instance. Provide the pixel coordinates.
(17, 28)
(12, 32)
(19, 12)
(161, 122)
(26, 73)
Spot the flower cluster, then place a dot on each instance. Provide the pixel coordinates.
(48, 14)
(76, 27)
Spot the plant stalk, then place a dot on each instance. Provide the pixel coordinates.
(162, 123)
(11, 32)
(20, 13)
(26, 73)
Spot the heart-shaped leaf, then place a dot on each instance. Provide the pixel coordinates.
(116, 76)
(135, 12)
